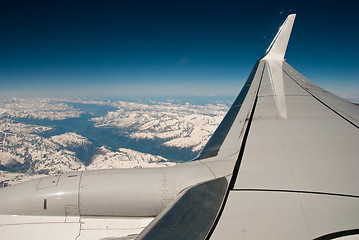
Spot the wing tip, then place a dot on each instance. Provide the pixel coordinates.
(278, 46)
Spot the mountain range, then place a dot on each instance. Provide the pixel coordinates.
(40, 137)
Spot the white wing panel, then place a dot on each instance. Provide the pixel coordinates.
(310, 149)
(285, 215)
(252, 215)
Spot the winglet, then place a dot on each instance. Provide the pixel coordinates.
(278, 46)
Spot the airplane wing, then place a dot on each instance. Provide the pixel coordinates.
(297, 159)
(283, 164)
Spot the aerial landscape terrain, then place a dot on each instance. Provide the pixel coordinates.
(45, 136)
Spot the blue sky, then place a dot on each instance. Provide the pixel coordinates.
(142, 48)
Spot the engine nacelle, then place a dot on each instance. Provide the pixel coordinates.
(133, 192)
(141, 192)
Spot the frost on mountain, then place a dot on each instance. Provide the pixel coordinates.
(181, 126)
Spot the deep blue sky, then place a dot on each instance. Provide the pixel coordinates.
(134, 48)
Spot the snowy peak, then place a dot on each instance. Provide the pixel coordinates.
(70, 139)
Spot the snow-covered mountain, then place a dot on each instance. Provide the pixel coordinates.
(38, 108)
(181, 126)
(34, 154)
(126, 158)
(27, 154)
(48, 136)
